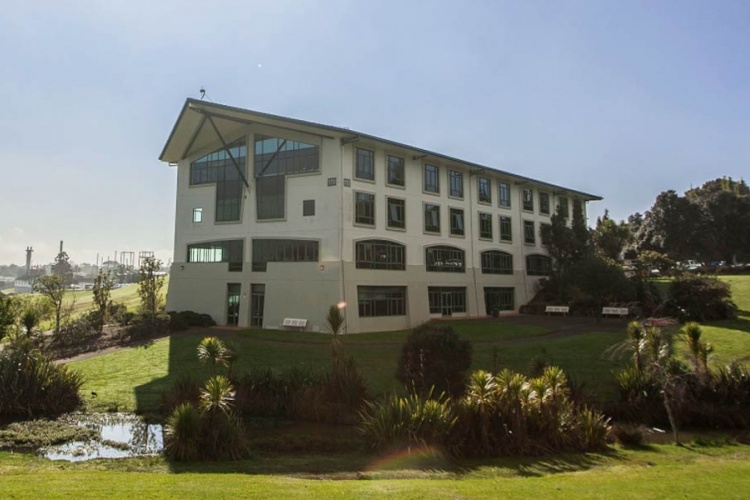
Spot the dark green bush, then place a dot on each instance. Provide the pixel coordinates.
(434, 358)
(700, 298)
(192, 318)
(629, 435)
(186, 389)
(33, 385)
(144, 326)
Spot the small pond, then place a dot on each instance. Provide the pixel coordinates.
(120, 435)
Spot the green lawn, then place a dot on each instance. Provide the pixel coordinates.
(136, 378)
(658, 471)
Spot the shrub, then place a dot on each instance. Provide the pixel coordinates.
(414, 420)
(701, 298)
(211, 431)
(143, 326)
(76, 332)
(509, 414)
(192, 318)
(434, 358)
(32, 385)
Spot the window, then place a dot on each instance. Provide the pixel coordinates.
(219, 168)
(544, 232)
(197, 215)
(431, 218)
(538, 265)
(374, 301)
(365, 168)
(562, 204)
(456, 183)
(497, 262)
(503, 193)
(506, 229)
(395, 175)
(528, 199)
(230, 251)
(381, 254)
(270, 250)
(275, 158)
(447, 300)
(498, 299)
(257, 304)
(396, 213)
(364, 209)
(431, 179)
(457, 222)
(308, 208)
(544, 203)
(529, 235)
(485, 226)
(485, 191)
(445, 259)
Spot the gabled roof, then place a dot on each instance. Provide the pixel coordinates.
(194, 132)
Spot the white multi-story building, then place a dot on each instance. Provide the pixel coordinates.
(279, 218)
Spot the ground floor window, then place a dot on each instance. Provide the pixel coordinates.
(381, 301)
(447, 300)
(499, 299)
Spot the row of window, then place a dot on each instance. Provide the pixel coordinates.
(369, 254)
(364, 169)
(364, 214)
(374, 301)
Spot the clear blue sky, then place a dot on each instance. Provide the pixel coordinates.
(621, 99)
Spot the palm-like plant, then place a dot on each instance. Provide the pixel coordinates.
(698, 349)
(217, 396)
(213, 351)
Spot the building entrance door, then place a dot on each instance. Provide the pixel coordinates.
(257, 303)
(446, 303)
(233, 303)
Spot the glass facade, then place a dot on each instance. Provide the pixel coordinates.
(216, 251)
(218, 168)
(497, 262)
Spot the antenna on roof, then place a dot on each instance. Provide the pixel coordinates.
(203, 92)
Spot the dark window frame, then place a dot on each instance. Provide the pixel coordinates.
(458, 226)
(506, 222)
(485, 226)
(395, 171)
(428, 210)
(380, 254)
(364, 208)
(484, 190)
(445, 259)
(503, 195)
(544, 205)
(431, 178)
(497, 262)
(265, 250)
(538, 265)
(364, 169)
(435, 296)
(381, 301)
(308, 208)
(391, 221)
(527, 200)
(455, 184)
(529, 232)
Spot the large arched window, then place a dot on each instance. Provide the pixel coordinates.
(445, 259)
(497, 262)
(538, 265)
(381, 254)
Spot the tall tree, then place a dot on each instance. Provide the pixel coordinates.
(581, 233)
(102, 292)
(727, 204)
(150, 285)
(53, 288)
(8, 315)
(610, 238)
(674, 226)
